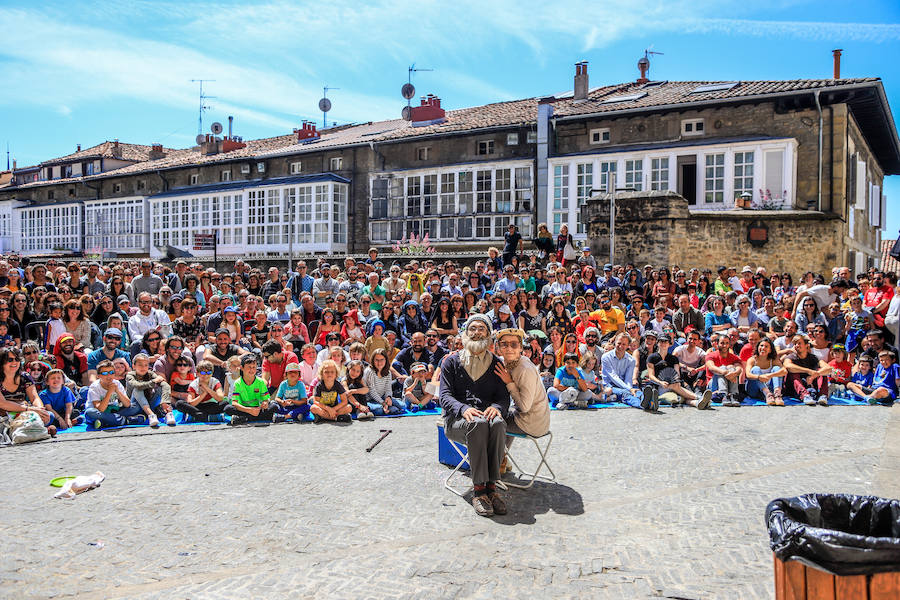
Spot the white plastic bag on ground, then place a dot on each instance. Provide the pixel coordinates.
(82, 483)
(28, 427)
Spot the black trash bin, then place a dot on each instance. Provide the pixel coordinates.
(835, 546)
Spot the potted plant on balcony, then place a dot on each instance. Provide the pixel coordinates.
(744, 201)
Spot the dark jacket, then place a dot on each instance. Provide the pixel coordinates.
(693, 317)
(459, 392)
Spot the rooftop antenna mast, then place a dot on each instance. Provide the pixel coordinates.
(202, 105)
(409, 90)
(7, 155)
(325, 104)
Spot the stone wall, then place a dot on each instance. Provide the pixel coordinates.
(657, 228)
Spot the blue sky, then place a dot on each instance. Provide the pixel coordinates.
(83, 72)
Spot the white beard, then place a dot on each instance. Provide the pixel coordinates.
(473, 356)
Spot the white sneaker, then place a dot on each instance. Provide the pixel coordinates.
(154, 422)
(809, 400)
(568, 396)
(170, 420)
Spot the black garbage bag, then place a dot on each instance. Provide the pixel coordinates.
(838, 533)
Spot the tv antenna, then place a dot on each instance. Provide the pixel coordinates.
(408, 90)
(325, 104)
(202, 105)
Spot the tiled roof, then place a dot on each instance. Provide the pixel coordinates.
(500, 114)
(669, 93)
(135, 152)
(888, 262)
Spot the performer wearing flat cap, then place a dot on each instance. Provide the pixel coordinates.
(476, 402)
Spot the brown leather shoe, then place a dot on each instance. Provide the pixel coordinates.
(497, 503)
(483, 505)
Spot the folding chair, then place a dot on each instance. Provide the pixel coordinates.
(530, 477)
(448, 458)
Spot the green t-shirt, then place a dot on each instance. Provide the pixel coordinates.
(250, 394)
(378, 290)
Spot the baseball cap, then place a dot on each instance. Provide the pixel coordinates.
(113, 331)
(122, 298)
(416, 367)
(222, 330)
(746, 269)
(229, 309)
(291, 367)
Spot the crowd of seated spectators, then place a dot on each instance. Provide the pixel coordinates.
(141, 342)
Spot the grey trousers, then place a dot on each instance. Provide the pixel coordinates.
(485, 442)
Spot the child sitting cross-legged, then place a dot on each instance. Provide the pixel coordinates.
(291, 395)
(380, 383)
(250, 396)
(862, 378)
(357, 390)
(205, 395)
(58, 400)
(330, 398)
(415, 389)
(885, 382)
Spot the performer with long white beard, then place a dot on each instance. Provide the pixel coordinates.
(475, 402)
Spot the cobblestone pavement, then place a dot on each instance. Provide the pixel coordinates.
(648, 506)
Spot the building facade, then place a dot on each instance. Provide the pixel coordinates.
(821, 147)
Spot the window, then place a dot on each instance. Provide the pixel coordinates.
(194, 179)
(379, 232)
(260, 167)
(559, 219)
(429, 194)
(774, 179)
(523, 189)
(117, 188)
(397, 230)
(195, 212)
(216, 213)
(226, 210)
(51, 195)
(296, 167)
(512, 139)
(304, 213)
(714, 179)
(561, 187)
(339, 215)
(743, 173)
(584, 179)
(379, 198)
(483, 227)
(225, 175)
(245, 169)
(626, 98)
(531, 138)
(413, 196)
(67, 171)
(320, 233)
(423, 153)
(336, 163)
(464, 228)
(500, 226)
(141, 184)
(71, 192)
(466, 204)
(634, 174)
(659, 174)
(600, 136)
(692, 127)
(503, 193)
(485, 147)
(238, 215)
(448, 198)
(413, 228)
(448, 229)
(430, 228)
(714, 87)
(321, 205)
(606, 168)
(483, 192)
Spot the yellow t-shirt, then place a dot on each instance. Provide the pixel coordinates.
(609, 320)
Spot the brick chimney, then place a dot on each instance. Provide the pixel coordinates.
(644, 68)
(429, 112)
(78, 148)
(581, 80)
(156, 152)
(307, 131)
(836, 54)
(116, 149)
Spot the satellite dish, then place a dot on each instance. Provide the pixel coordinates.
(324, 104)
(216, 128)
(408, 90)
(200, 139)
(405, 113)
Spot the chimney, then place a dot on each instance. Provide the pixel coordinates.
(78, 148)
(307, 131)
(581, 80)
(116, 150)
(429, 112)
(230, 121)
(156, 152)
(837, 62)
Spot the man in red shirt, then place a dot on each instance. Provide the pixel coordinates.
(750, 347)
(723, 370)
(877, 299)
(275, 360)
